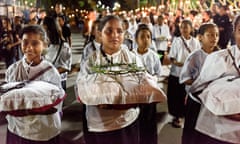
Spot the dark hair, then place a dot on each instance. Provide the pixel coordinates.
(206, 26)
(52, 29)
(96, 23)
(58, 3)
(125, 21)
(209, 13)
(35, 29)
(7, 20)
(188, 22)
(182, 11)
(225, 7)
(92, 37)
(236, 21)
(42, 10)
(194, 12)
(142, 27)
(62, 17)
(160, 17)
(105, 19)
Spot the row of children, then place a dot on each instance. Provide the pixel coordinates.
(194, 67)
(187, 55)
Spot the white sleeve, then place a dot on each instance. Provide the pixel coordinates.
(174, 48)
(187, 69)
(213, 68)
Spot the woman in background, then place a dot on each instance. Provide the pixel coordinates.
(58, 51)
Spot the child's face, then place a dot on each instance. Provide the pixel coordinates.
(237, 34)
(160, 21)
(4, 23)
(32, 47)
(144, 39)
(125, 26)
(210, 37)
(112, 35)
(185, 29)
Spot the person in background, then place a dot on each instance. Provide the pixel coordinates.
(146, 20)
(33, 19)
(41, 15)
(17, 28)
(225, 27)
(128, 37)
(208, 35)
(161, 36)
(215, 11)
(150, 60)
(6, 40)
(41, 127)
(58, 51)
(181, 47)
(65, 30)
(177, 21)
(132, 25)
(58, 11)
(94, 41)
(207, 16)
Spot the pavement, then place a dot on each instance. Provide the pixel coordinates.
(72, 110)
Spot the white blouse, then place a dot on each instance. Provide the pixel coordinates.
(192, 66)
(64, 60)
(180, 53)
(34, 127)
(161, 31)
(217, 65)
(151, 62)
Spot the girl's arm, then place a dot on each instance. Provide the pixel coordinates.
(189, 82)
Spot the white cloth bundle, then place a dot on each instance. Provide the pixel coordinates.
(222, 97)
(34, 95)
(218, 127)
(131, 88)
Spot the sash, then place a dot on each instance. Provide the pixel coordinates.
(234, 62)
(185, 45)
(22, 84)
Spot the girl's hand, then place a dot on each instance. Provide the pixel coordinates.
(162, 38)
(180, 64)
